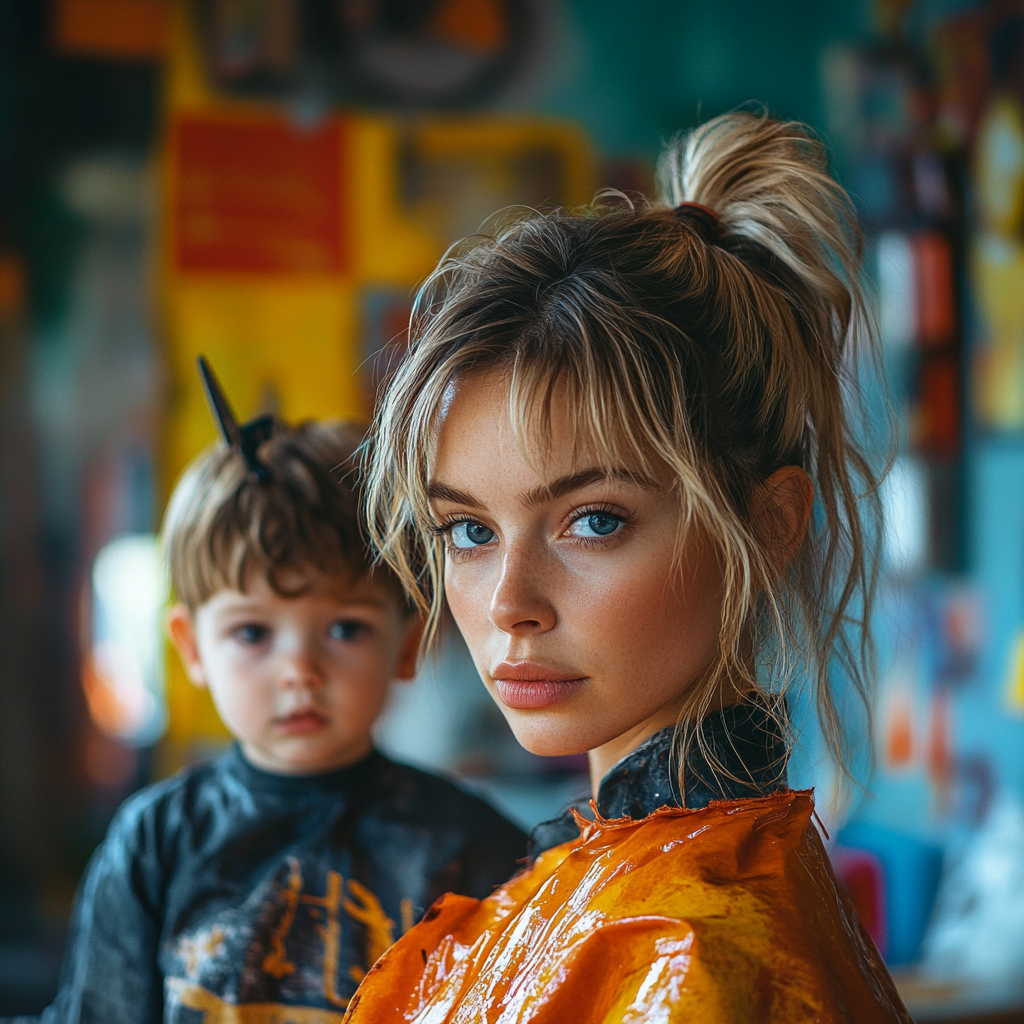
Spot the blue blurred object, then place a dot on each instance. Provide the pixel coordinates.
(912, 869)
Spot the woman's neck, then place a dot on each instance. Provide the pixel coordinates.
(604, 757)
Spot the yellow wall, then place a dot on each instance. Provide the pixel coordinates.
(302, 336)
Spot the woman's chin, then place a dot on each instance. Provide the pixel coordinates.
(547, 742)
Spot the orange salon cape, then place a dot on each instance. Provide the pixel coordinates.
(725, 915)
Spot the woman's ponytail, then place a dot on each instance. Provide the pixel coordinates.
(791, 226)
(768, 183)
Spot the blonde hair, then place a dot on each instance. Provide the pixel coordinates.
(223, 524)
(720, 344)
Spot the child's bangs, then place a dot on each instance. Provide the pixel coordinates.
(289, 575)
(265, 539)
(224, 530)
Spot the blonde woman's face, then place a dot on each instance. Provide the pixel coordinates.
(563, 578)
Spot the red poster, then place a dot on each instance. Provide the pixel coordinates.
(259, 196)
(117, 29)
(935, 285)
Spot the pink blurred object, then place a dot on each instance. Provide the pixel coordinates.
(861, 874)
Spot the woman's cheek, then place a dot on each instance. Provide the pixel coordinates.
(609, 592)
(465, 595)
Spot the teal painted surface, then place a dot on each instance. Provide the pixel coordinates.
(996, 539)
(983, 724)
(637, 72)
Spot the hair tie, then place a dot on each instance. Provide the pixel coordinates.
(246, 437)
(701, 218)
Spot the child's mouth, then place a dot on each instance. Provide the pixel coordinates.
(301, 722)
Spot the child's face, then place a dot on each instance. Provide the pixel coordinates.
(565, 581)
(299, 680)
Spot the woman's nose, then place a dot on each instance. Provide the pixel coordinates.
(519, 604)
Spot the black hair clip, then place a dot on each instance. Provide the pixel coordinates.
(247, 437)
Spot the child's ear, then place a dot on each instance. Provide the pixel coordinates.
(182, 631)
(409, 656)
(784, 508)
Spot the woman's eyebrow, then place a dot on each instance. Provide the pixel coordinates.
(574, 481)
(545, 492)
(443, 492)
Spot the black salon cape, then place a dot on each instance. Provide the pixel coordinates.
(228, 894)
(743, 754)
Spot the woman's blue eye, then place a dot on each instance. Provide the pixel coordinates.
(596, 524)
(346, 629)
(252, 634)
(470, 535)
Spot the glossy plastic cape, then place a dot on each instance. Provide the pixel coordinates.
(725, 914)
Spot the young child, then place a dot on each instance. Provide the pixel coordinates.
(262, 886)
(605, 448)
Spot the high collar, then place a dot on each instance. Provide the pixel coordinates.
(742, 754)
(340, 781)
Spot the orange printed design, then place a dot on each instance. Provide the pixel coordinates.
(364, 907)
(330, 932)
(197, 949)
(220, 1011)
(380, 929)
(353, 898)
(276, 963)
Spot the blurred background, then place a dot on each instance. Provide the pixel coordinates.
(265, 182)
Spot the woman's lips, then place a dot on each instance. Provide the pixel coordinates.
(530, 685)
(301, 723)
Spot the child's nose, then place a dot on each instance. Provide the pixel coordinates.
(302, 671)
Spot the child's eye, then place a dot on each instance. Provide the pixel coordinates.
(470, 535)
(346, 629)
(251, 634)
(592, 525)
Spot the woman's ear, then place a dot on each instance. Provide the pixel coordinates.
(783, 510)
(409, 655)
(182, 631)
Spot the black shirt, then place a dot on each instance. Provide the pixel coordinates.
(228, 893)
(743, 754)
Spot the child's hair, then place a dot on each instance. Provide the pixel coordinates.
(223, 525)
(718, 339)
